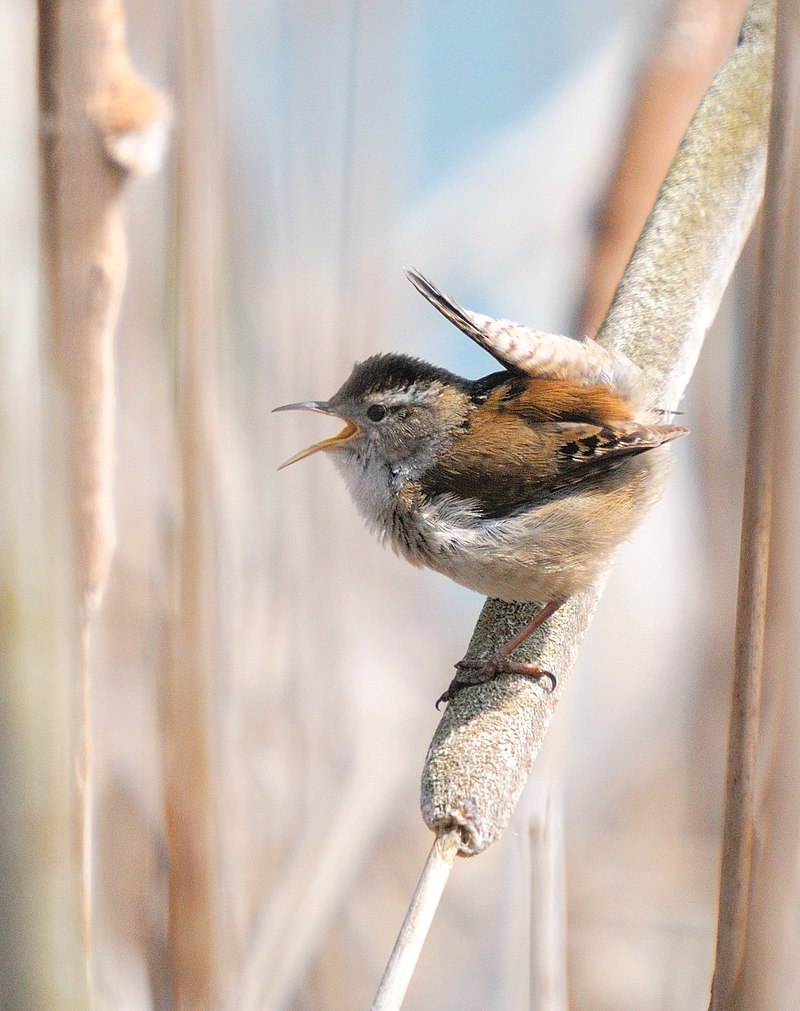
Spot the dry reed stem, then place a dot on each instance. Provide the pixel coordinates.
(694, 37)
(41, 964)
(417, 922)
(548, 910)
(90, 99)
(760, 888)
(300, 907)
(193, 932)
(768, 334)
(92, 102)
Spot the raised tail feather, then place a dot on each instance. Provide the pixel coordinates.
(466, 321)
(519, 348)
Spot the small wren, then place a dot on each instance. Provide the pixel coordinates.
(519, 485)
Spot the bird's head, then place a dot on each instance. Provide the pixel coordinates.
(399, 412)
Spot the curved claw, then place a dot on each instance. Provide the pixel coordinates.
(498, 665)
(489, 669)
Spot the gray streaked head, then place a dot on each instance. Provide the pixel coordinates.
(394, 372)
(399, 411)
(404, 408)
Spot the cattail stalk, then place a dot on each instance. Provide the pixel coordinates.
(102, 124)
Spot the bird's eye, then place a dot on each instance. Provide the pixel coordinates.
(377, 412)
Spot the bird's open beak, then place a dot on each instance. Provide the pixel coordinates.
(321, 407)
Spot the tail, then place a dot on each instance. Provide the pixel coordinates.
(519, 348)
(451, 310)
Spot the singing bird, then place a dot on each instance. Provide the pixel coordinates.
(519, 485)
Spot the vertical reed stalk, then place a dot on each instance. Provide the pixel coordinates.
(40, 944)
(693, 39)
(760, 888)
(91, 103)
(186, 706)
(548, 965)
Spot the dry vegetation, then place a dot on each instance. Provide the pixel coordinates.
(217, 691)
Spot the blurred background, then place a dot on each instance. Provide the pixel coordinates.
(246, 697)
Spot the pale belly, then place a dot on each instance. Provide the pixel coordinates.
(546, 553)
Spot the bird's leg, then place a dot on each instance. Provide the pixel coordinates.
(491, 667)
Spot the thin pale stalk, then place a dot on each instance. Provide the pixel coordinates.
(417, 922)
(548, 931)
(188, 787)
(301, 905)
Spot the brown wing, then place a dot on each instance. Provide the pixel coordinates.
(533, 400)
(504, 461)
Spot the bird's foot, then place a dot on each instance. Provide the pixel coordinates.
(473, 671)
